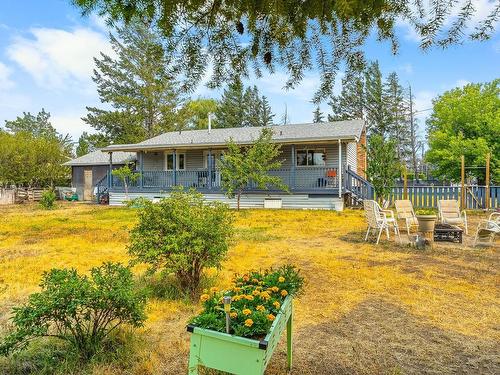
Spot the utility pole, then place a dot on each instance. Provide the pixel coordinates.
(413, 135)
(487, 188)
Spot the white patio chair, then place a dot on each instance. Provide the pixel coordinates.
(379, 219)
(404, 211)
(488, 229)
(449, 213)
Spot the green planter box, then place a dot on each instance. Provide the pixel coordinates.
(239, 355)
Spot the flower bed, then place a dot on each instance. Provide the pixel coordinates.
(260, 310)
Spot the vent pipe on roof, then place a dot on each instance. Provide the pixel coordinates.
(209, 122)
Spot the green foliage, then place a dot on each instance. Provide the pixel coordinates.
(383, 165)
(90, 142)
(195, 112)
(242, 166)
(465, 121)
(137, 85)
(48, 199)
(256, 299)
(423, 211)
(126, 175)
(182, 234)
(81, 310)
(317, 116)
(243, 37)
(26, 160)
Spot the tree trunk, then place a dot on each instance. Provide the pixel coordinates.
(238, 200)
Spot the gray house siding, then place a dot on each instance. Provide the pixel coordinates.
(352, 156)
(154, 161)
(77, 176)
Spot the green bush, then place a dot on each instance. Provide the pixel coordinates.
(48, 199)
(256, 299)
(81, 310)
(182, 234)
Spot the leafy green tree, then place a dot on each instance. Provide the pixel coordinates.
(39, 126)
(383, 165)
(295, 36)
(317, 116)
(26, 160)
(232, 107)
(137, 85)
(182, 234)
(465, 121)
(81, 310)
(245, 166)
(127, 176)
(196, 112)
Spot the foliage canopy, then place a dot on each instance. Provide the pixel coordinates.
(81, 310)
(238, 37)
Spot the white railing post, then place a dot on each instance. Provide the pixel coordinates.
(340, 169)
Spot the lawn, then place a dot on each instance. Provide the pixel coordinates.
(365, 309)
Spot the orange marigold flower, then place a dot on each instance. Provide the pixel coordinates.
(249, 322)
(255, 292)
(249, 297)
(233, 315)
(204, 297)
(276, 304)
(275, 289)
(271, 317)
(255, 281)
(264, 295)
(260, 308)
(247, 311)
(245, 278)
(281, 279)
(214, 289)
(284, 293)
(237, 289)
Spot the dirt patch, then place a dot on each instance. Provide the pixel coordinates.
(378, 337)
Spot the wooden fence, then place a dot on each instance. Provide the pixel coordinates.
(428, 196)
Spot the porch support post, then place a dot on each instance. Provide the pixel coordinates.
(110, 176)
(175, 167)
(141, 169)
(292, 169)
(340, 169)
(209, 166)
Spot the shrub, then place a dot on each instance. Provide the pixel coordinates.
(256, 300)
(78, 309)
(48, 199)
(425, 211)
(182, 234)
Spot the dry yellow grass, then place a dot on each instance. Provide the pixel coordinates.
(365, 308)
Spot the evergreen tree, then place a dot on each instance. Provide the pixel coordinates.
(376, 114)
(350, 104)
(397, 115)
(317, 116)
(90, 142)
(252, 107)
(266, 114)
(136, 85)
(230, 112)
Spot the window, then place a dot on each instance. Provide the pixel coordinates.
(169, 161)
(311, 157)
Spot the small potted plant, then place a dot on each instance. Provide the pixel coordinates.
(426, 220)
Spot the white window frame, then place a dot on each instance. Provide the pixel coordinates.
(167, 153)
(307, 152)
(217, 155)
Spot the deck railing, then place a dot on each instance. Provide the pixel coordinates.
(310, 178)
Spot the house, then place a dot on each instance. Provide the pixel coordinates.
(90, 170)
(321, 164)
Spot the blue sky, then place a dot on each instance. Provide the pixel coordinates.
(46, 51)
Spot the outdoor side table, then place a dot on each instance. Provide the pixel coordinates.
(448, 233)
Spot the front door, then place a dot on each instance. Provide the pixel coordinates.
(87, 184)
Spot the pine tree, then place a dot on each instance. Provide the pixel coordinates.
(231, 109)
(266, 114)
(317, 116)
(252, 107)
(396, 108)
(90, 142)
(376, 114)
(350, 104)
(136, 85)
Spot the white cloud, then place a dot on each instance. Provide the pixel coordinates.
(423, 102)
(59, 59)
(5, 81)
(70, 123)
